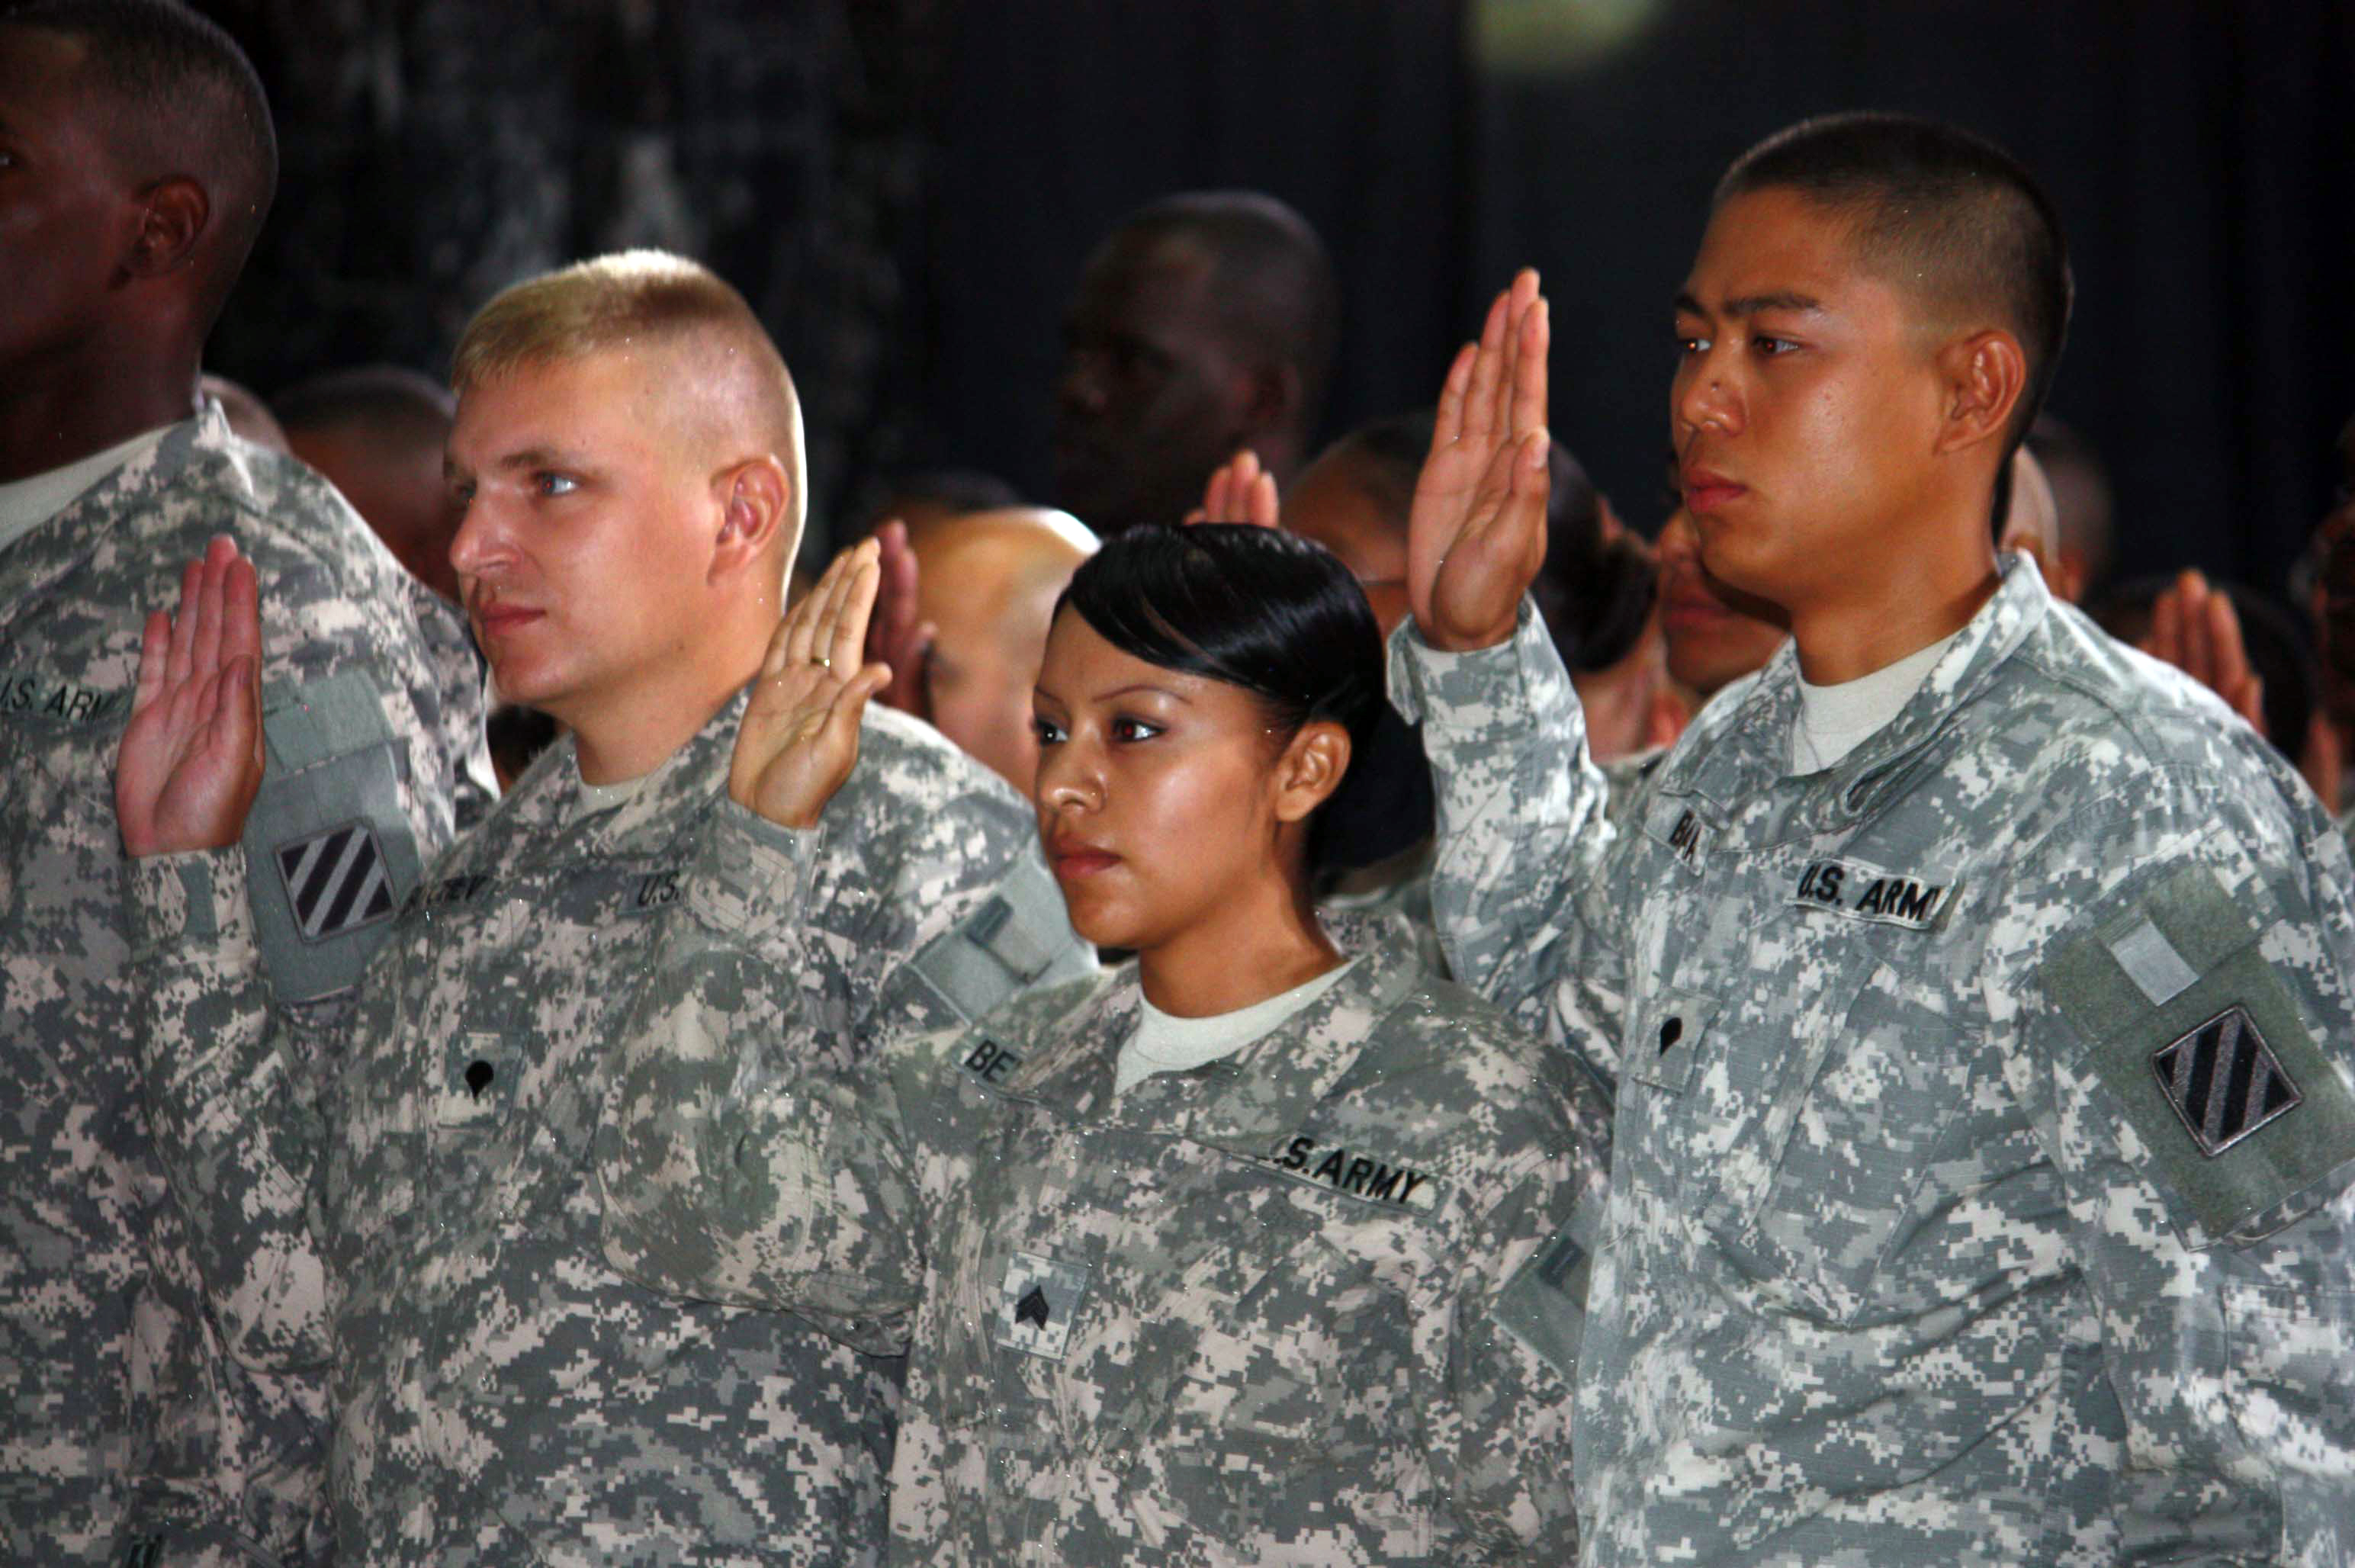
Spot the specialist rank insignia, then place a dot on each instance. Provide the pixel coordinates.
(337, 882)
(2224, 1080)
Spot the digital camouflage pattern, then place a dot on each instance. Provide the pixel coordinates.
(1981, 1170)
(126, 1421)
(501, 1396)
(1256, 1313)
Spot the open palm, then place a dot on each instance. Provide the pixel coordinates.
(799, 737)
(191, 759)
(1476, 535)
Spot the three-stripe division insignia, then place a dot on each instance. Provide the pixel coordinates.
(337, 882)
(2224, 1080)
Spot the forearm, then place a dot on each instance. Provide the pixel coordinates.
(231, 1103)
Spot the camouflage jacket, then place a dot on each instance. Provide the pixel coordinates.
(1981, 1170)
(1256, 1313)
(501, 1396)
(125, 1419)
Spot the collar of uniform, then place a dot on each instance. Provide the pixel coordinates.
(1075, 1071)
(1752, 753)
(1266, 1091)
(49, 552)
(684, 781)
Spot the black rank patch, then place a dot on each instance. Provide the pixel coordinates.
(337, 882)
(2224, 1080)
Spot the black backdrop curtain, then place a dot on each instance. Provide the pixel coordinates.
(906, 189)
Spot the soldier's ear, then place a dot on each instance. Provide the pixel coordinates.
(173, 217)
(755, 508)
(1310, 769)
(1985, 375)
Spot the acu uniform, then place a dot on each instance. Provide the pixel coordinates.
(502, 1396)
(1294, 1307)
(129, 1430)
(1984, 1139)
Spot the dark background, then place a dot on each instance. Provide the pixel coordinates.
(906, 190)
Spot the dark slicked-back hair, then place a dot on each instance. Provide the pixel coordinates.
(182, 99)
(1273, 282)
(1939, 210)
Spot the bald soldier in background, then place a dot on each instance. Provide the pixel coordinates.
(139, 166)
(963, 625)
(1981, 989)
(628, 458)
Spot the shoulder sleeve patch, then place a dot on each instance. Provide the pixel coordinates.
(2208, 1051)
(1018, 938)
(329, 854)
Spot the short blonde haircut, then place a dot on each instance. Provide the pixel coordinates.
(643, 299)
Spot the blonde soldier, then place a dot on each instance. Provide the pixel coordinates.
(1232, 1256)
(628, 451)
(1979, 988)
(139, 164)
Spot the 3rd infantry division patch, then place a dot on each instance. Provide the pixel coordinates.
(336, 880)
(2224, 1080)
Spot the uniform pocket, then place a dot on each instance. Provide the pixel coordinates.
(1838, 1153)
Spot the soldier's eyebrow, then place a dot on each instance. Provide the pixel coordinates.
(1751, 304)
(536, 457)
(1144, 686)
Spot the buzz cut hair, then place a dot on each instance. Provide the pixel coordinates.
(639, 299)
(1940, 211)
(180, 98)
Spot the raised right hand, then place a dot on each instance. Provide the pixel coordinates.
(1238, 492)
(2195, 628)
(799, 737)
(1477, 536)
(895, 638)
(191, 761)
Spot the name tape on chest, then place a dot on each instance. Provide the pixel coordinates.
(1358, 1175)
(1861, 891)
(34, 695)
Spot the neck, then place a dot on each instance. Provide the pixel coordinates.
(1256, 946)
(50, 419)
(623, 738)
(1873, 618)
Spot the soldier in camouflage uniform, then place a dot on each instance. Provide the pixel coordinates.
(1985, 1133)
(1293, 1302)
(131, 1433)
(501, 1394)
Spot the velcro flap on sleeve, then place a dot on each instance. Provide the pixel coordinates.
(2209, 1051)
(329, 853)
(1019, 937)
(1544, 1305)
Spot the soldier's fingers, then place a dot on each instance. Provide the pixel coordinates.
(184, 623)
(2164, 641)
(1480, 397)
(241, 612)
(773, 659)
(2225, 643)
(2253, 704)
(1263, 510)
(849, 646)
(1453, 394)
(2198, 648)
(155, 649)
(1518, 299)
(250, 695)
(801, 627)
(1214, 496)
(1529, 407)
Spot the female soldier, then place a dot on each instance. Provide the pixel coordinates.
(1252, 1250)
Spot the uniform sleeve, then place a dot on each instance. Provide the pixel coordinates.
(729, 1170)
(2175, 972)
(234, 1104)
(1503, 1431)
(246, 976)
(1522, 831)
